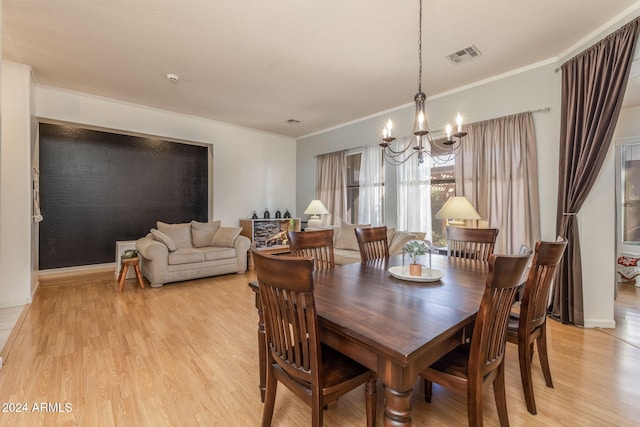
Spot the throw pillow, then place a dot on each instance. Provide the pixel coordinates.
(180, 233)
(347, 237)
(202, 233)
(163, 238)
(225, 236)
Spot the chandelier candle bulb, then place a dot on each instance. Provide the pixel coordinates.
(448, 131)
(459, 122)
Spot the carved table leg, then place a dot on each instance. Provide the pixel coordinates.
(262, 349)
(397, 407)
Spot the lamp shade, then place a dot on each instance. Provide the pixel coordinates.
(458, 208)
(315, 209)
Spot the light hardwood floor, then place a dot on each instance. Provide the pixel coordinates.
(186, 355)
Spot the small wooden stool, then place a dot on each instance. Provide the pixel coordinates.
(126, 262)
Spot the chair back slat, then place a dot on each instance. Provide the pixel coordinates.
(373, 243)
(490, 330)
(471, 243)
(314, 244)
(535, 298)
(286, 292)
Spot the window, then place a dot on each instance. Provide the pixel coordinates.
(353, 186)
(443, 186)
(365, 187)
(631, 194)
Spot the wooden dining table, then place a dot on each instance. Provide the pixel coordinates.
(393, 326)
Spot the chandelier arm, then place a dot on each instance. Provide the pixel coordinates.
(393, 160)
(390, 149)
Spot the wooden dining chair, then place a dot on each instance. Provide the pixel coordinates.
(471, 243)
(373, 243)
(530, 324)
(315, 244)
(316, 373)
(469, 366)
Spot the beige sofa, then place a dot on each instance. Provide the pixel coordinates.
(177, 252)
(345, 244)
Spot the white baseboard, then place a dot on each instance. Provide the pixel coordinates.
(600, 323)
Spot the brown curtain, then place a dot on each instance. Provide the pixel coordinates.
(497, 171)
(593, 85)
(331, 185)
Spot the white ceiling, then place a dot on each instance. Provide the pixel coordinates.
(257, 63)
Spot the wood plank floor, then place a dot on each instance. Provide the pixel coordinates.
(185, 355)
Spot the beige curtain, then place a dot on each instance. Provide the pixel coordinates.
(331, 185)
(497, 171)
(593, 86)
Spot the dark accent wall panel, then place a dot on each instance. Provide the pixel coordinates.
(99, 187)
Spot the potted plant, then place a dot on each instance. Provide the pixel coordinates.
(415, 248)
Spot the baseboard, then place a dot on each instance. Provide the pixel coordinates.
(70, 276)
(600, 323)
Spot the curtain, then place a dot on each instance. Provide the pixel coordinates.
(414, 195)
(497, 172)
(371, 191)
(331, 185)
(593, 85)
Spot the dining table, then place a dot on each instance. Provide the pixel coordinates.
(393, 324)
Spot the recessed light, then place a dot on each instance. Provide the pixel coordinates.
(173, 77)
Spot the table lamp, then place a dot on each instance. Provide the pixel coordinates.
(456, 210)
(315, 209)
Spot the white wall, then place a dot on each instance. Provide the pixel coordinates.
(252, 169)
(16, 277)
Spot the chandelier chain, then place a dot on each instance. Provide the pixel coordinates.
(420, 49)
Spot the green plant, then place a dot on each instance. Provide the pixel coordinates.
(415, 248)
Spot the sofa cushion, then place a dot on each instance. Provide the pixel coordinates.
(347, 236)
(202, 233)
(186, 256)
(212, 253)
(346, 256)
(163, 238)
(225, 236)
(180, 233)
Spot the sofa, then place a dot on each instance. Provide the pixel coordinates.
(345, 244)
(185, 251)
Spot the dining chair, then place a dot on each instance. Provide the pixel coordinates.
(471, 365)
(530, 324)
(315, 244)
(315, 372)
(471, 243)
(373, 243)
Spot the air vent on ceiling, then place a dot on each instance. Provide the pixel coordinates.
(464, 54)
(292, 121)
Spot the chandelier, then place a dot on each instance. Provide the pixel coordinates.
(398, 150)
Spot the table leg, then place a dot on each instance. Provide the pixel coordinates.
(397, 407)
(262, 349)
